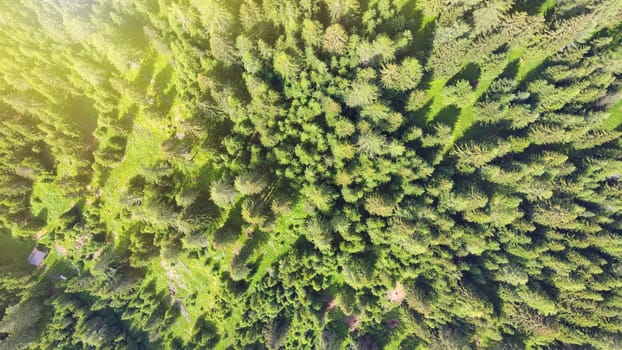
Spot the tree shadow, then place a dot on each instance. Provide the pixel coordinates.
(532, 7)
(235, 287)
(418, 118)
(479, 131)
(14, 251)
(448, 116)
(423, 34)
(232, 229)
(511, 70)
(533, 74)
(205, 333)
(426, 80)
(471, 73)
(43, 215)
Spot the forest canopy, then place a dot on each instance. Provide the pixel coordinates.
(311, 174)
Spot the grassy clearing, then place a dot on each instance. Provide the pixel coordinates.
(142, 151)
(466, 118)
(279, 244)
(615, 119)
(547, 5)
(196, 286)
(434, 94)
(14, 251)
(49, 200)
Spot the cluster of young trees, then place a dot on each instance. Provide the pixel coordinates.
(313, 174)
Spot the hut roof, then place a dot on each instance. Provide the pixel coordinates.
(36, 257)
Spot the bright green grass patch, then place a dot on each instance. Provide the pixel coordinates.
(615, 119)
(280, 243)
(14, 251)
(143, 150)
(434, 94)
(515, 53)
(465, 120)
(529, 62)
(49, 200)
(196, 286)
(546, 6)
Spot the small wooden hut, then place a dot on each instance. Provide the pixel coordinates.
(37, 256)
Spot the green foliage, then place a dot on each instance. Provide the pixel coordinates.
(335, 39)
(404, 77)
(311, 174)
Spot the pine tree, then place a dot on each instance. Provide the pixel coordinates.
(335, 39)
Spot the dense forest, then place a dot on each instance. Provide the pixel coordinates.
(311, 174)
